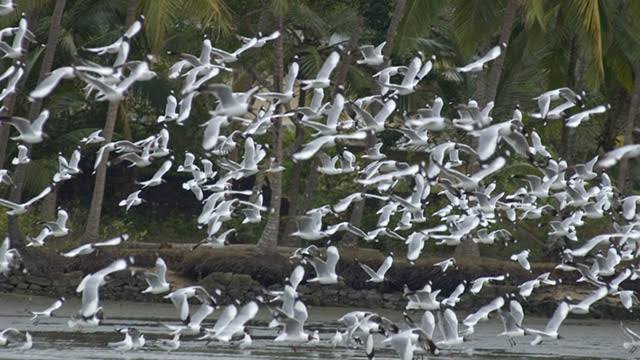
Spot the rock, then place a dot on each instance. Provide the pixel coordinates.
(38, 280)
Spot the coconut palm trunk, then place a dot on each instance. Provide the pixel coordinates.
(268, 241)
(47, 63)
(488, 92)
(634, 106)
(92, 228)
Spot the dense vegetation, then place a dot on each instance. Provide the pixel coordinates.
(587, 45)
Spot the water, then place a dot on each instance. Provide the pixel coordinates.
(584, 339)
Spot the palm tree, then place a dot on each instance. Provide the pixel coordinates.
(95, 210)
(160, 16)
(34, 110)
(269, 239)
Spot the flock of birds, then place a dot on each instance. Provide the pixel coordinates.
(448, 169)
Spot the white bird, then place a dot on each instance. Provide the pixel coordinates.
(19, 209)
(477, 284)
(169, 345)
(230, 103)
(22, 157)
(482, 314)
(634, 339)
(325, 269)
(237, 324)
(40, 238)
(260, 40)
(379, 275)
(448, 326)
(227, 57)
(218, 241)
(583, 306)
(93, 138)
(312, 147)
(6, 7)
(8, 257)
(170, 113)
(156, 280)
(371, 55)
(157, 179)
(624, 152)
(551, 330)
(522, 259)
(512, 321)
(90, 287)
(123, 345)
(480, 64)
(322, 78)
(286, 95)
(87, 249)
(575, 120)
(48, 312)
(132, 200)
(180, 299)
(15, 340)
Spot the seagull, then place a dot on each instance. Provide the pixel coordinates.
(575, 120)
(66, 169)
(477, 284)
(169, 345)
(379, 275)
(6, 7)
(325, 269)
(218, 241)
(286, 95)
(522, 259)
(423, 299)
(624, 152)
(318, 143)
(480, 64)
(634, 339)
(445, 264)
(87, 249)
(19, 209)
(132, 200)
(448, 326)
(551, 330)
(17, 49)
(15, 340)
(157, 279)
(260, 40)
(157, 179)
(23, 156)
(372, 56)
(322, 78)
(180, 299)
(124, 345)
(39, 240)
(544, 101)
(237, 323)
(170, 113)
(194, 321)
(90, 287)
(5, 178)
(583, 306)
(482, 314)
(226, 57)
(8, 257)
(293, 324)
(512, 321)
(230, 103)
(48, 312)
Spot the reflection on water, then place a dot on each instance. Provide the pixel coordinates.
(584, 339)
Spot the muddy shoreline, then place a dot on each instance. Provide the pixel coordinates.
(239, 273)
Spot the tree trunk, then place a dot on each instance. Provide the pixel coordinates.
(496, 67)
(295, 205)
(92, 229)
(269, 239)
(47, 63)
(488, 91)
(629, 126)
(394, 24)
(568, 135)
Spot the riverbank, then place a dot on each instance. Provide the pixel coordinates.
(241, 273)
